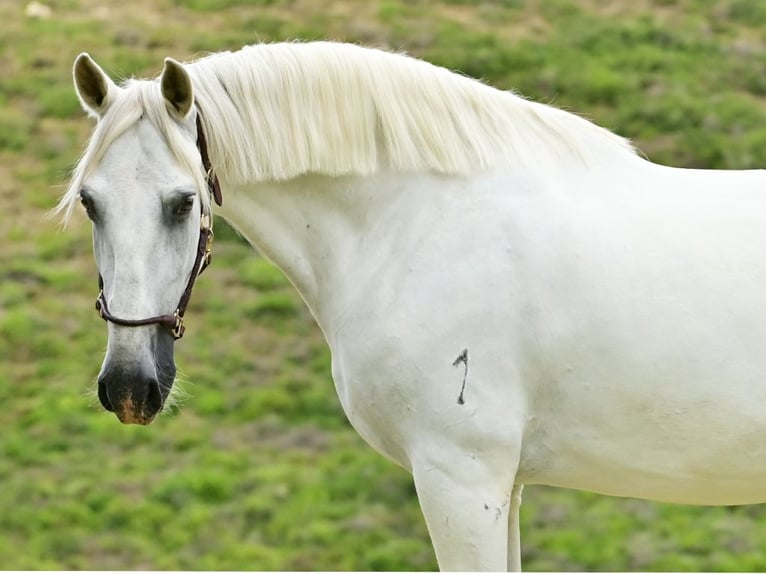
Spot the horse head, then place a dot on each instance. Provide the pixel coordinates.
(146, 206)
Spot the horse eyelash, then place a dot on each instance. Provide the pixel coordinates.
(184, 206)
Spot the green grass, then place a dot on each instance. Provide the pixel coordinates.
(258, 467)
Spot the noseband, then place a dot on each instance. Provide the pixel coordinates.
(175, 322)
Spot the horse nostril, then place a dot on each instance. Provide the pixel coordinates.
(153, 396)
(104, 397)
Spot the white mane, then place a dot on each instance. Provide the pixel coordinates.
(278, 111)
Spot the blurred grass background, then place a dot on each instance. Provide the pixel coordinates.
(259, 469)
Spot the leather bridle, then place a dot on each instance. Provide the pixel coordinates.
(175, 322)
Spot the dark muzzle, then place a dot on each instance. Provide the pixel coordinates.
(134, 397)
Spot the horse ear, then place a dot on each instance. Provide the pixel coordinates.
(177, 88)
(95, 89)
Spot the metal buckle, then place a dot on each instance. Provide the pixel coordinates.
(209, 246)
(178, 329)
(99, 305)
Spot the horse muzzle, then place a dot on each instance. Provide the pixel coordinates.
(137, 375)
(134, 398)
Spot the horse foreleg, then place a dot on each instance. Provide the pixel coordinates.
(514, 530)
(467, 516)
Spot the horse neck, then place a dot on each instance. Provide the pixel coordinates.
(312, 228)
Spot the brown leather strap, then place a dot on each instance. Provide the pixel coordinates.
(214, 187)
(202, 260)
(174, 323)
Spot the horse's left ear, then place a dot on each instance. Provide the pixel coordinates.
(177, 88)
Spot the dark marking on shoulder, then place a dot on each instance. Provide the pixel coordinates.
(499, 510)
(462, 358)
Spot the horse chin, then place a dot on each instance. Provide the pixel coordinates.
(131, 414)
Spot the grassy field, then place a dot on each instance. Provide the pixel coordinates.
(259, 469)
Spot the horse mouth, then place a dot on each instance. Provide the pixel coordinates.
(132, 404)
(129, 414)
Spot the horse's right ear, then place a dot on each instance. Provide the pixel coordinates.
(95, 89)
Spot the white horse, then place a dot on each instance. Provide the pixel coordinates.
(510, 293)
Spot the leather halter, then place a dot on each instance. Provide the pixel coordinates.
(175, 322)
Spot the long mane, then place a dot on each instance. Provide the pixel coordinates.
(278, 111)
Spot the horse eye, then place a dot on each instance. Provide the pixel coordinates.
(87, 203)
(184, 206)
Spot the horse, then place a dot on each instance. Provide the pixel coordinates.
(511, 294)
